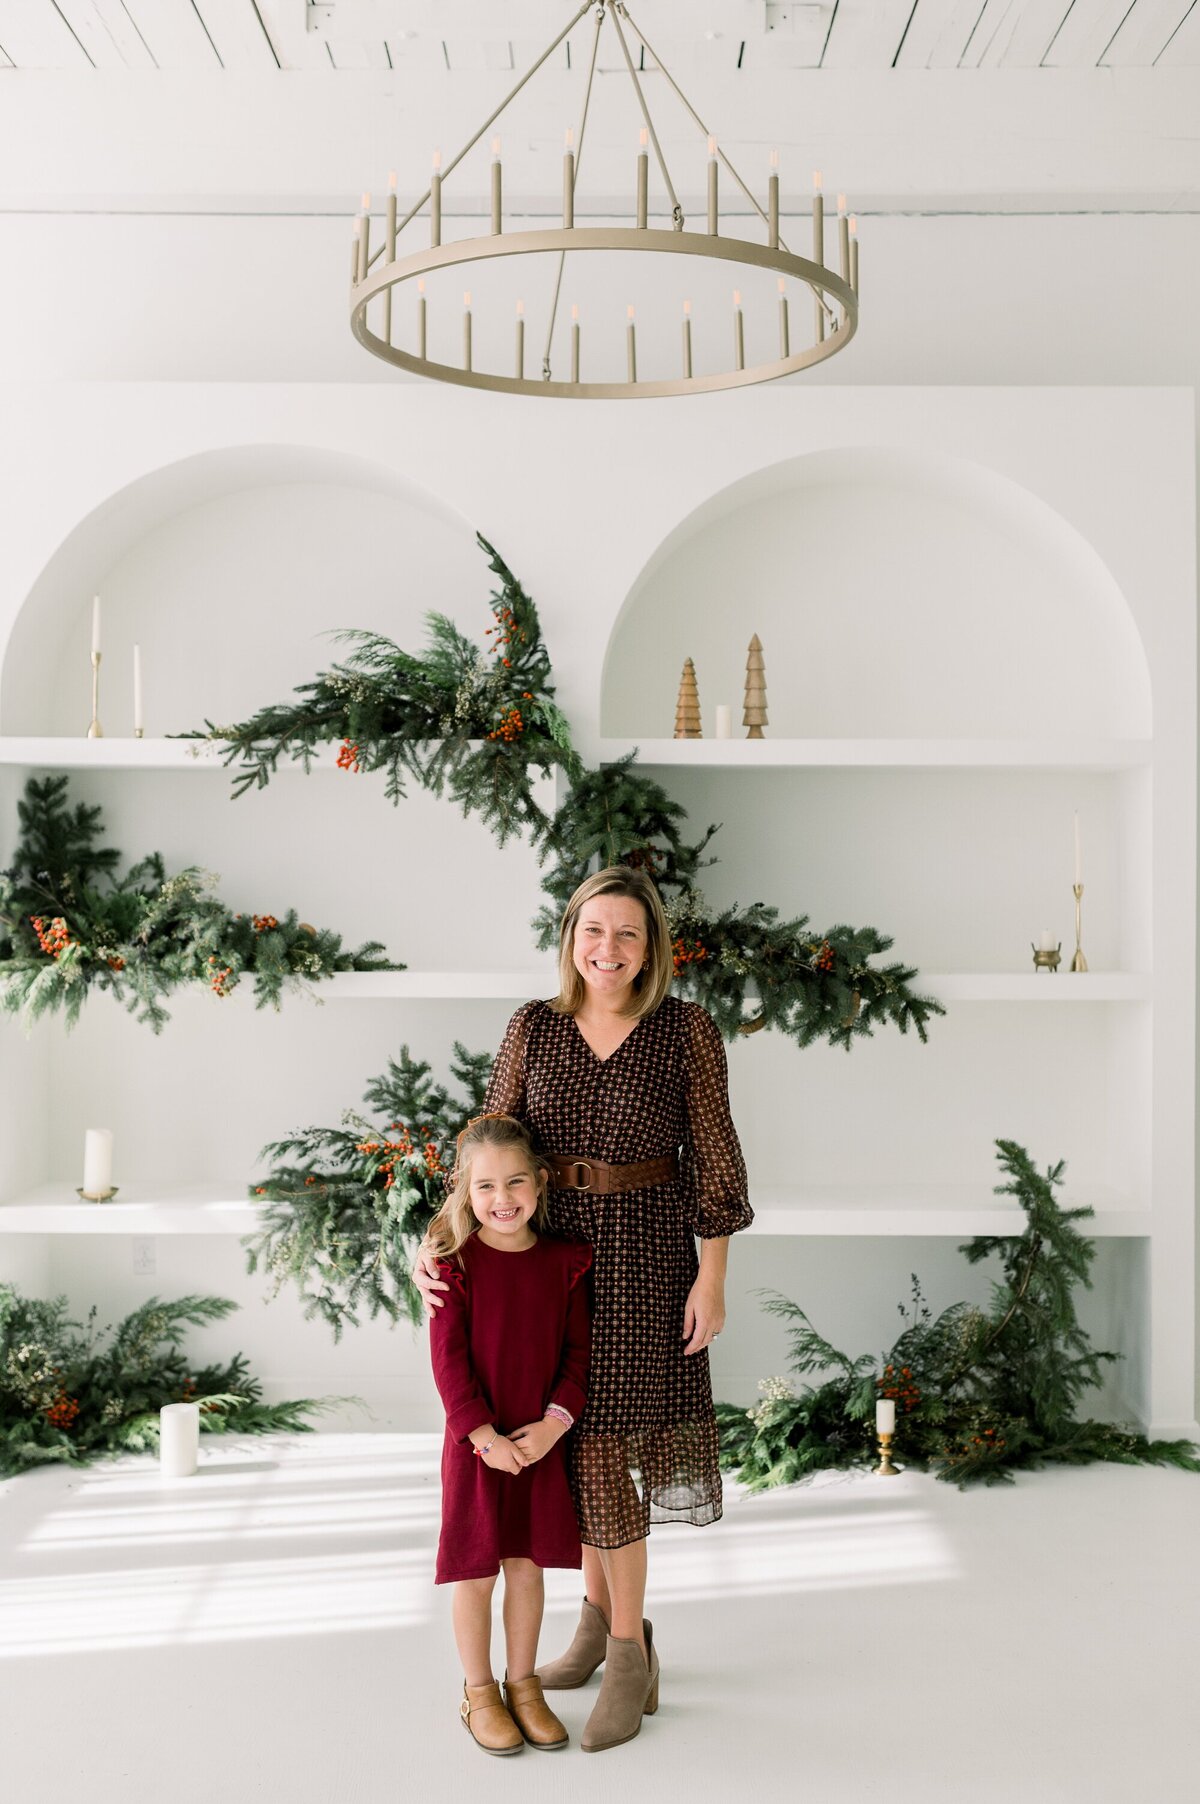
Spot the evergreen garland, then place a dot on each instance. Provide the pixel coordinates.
(461, 720)
(66, 1397)
(347, 1207)
(70, 926)
(979, 1393)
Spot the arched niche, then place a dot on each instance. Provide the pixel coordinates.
(896, 596)
(229, 569)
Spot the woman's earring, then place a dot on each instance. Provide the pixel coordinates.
(645, 964)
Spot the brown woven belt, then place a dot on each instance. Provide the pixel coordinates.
(609, 1180)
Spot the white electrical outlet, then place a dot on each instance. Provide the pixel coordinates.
(145, 1256)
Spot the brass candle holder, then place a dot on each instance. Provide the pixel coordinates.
(102, 1196)
(1046, 961)
(885, 1468)
(95, 731)
(1079, 962)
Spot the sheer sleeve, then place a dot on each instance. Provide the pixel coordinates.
(714, 1170)
(506, 1086)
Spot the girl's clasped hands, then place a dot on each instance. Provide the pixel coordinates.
(513, 1452)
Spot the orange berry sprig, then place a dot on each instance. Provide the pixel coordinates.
(63, 1411)
(823, 959)
(511, 726)
(263, 923)
(347, 758)
(902, 1390)
(688, 952)
(508, 634)
(53, 938)
(218, 976)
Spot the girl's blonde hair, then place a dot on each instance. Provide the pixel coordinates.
(456, 1221)
(649, 986)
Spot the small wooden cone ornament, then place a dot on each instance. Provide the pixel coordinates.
(754, 716)
(687, 708)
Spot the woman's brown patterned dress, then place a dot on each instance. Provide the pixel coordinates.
(650, 1410)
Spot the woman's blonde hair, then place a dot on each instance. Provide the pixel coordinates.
(649, 986)
(456, 1221)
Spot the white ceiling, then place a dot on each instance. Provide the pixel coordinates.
(736, 37)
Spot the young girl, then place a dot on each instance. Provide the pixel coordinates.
(510, 1358)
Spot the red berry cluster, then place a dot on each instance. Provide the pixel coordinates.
(508, 634)
(987, 1442)
(402, 1149)
(347, 758)
(823, 957)
(115, 963)
(218, 976)
(63, 1411)
(688, 952)
(902, 1389)
(511, 726)
(54, 937)
(264, 923)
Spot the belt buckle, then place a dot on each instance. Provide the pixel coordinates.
(579, 1165)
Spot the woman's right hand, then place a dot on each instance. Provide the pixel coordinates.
(502, 1456)
(425, 1277)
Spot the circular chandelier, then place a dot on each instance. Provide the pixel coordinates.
(806, 286)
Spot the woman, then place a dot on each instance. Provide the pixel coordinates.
(624, 1090)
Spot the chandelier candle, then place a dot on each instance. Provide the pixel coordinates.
(520, 340)
(687, 339)
(631, 345)
(467, 330)
(422, 322)
(784, 335)
(773, 203)
(390, 253)
(843, 244)
(178, 1439)
(819, 246)
(569, 181)
(497, 210)
(643, 181)
(854, 253)
(435, 202)
(364, 238)
(739, 332)
(713, 222)
(574, 343)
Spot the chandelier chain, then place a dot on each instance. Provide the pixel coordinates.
(583, 119)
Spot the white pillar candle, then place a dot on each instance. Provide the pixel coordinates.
(95, 624)
(97, 1162)
(138, 719)
(724, 721)
(1078, 853)
(885, 1416)
(178, 1439)
(1046, 940)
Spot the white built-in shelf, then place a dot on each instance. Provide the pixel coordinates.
(973, 754)
(969, 986)
(438, 986)
(1035, 986)
(878, 1210)
(118, 753)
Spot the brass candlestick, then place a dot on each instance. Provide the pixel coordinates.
(103, 1196)
(885, 1468)
(1046, 961)
(95, 731)
(1079, 962)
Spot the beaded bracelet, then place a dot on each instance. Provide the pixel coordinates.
(560, 1414)
(480, 1451)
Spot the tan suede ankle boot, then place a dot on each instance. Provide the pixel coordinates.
(485, 1716)
(629, 1692)
(585, 1654)
(532, 1714)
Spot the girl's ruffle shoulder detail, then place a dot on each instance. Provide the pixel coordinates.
(579, 1263)
(452, 1271)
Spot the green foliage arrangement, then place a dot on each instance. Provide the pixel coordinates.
(805, 984)
(472, 722)
(70, 1393)
(980, 1393)
(69, 925)
(347, 1207)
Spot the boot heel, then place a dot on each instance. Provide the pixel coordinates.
(651, 1704)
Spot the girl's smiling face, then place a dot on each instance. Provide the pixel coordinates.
(610, 943)
(504, 1196)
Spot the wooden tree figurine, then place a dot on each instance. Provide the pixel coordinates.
(687, 708)
(754, 717)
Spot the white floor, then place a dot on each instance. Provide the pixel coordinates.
(269, 1630)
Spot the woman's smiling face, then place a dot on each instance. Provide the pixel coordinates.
(610, 943)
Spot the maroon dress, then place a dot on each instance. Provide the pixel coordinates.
(645, 1449)
(513, 1335)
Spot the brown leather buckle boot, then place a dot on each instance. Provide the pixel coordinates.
(585, 1654)
(532, 1714)
(485, 1717)
(629, 1692)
